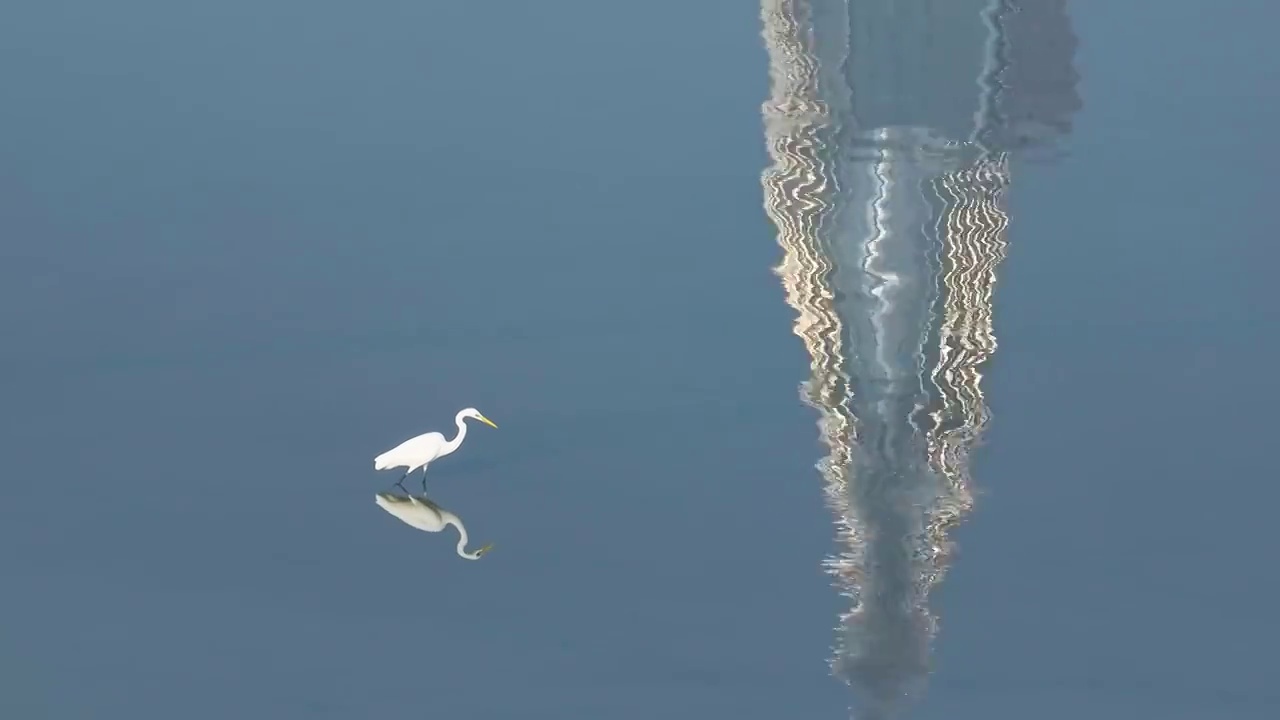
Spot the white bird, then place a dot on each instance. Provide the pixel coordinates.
(423, 514)
(417, 452)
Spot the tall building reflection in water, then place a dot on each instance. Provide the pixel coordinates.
(890, 126)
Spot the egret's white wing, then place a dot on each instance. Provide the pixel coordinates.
(414, 451)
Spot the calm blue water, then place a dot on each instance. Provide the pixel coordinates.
(245, 247)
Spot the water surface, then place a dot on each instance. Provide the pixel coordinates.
(248, 246)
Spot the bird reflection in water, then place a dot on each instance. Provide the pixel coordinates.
(421, 513)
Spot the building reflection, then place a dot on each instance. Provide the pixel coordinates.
(891, 126)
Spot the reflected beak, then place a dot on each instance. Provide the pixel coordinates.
(486, 421)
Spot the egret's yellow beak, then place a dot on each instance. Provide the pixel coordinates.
(486, 421)
(483, 550)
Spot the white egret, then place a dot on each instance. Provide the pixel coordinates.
(417, 452)
(423, 514)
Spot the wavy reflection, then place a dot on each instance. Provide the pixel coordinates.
(889, 127)
(418, 511)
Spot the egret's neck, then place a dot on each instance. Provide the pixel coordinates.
(457, 439)
(462, 536)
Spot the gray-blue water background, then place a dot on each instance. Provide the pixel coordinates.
(246, 246)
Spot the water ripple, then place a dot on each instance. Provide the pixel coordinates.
(891, 238)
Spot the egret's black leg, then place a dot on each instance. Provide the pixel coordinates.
(400, 482)
(424, 479)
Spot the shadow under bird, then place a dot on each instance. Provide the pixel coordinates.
(418, 452)
(421, 513)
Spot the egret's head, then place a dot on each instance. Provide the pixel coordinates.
(474, 414)
(477, 554)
